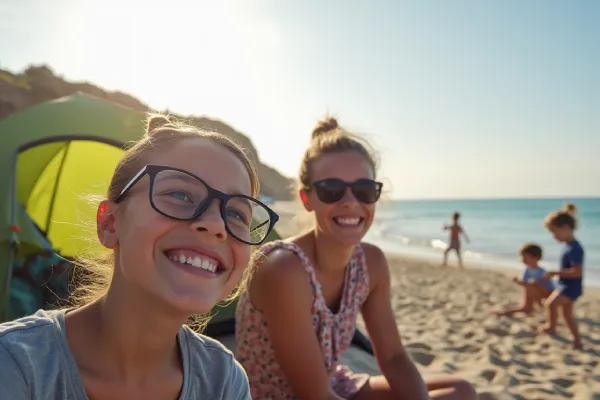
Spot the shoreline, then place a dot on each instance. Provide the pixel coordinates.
(294, 220)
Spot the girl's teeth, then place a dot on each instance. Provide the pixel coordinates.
(196, 262)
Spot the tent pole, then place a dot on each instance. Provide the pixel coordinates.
(55, 189)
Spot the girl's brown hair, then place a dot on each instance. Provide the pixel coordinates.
(329, 138)
(161, 131)
(559, 219)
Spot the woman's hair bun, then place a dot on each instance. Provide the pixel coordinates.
(325, 126)
(156, 121)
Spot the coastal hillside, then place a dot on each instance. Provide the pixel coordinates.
(39, 83)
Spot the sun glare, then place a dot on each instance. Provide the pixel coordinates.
(194, 54)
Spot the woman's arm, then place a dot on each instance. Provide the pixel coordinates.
(395, 363)
(280, 289)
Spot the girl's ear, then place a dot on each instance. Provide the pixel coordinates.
(304, 198)
(105, 226)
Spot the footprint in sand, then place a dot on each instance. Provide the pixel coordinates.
(497, 331)
(449, 368)
(422, 357)
(488, 374)
(418, 346)
(524, 334)
(563, 382)
(495, 360)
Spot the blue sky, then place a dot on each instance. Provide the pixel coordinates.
(462, 98)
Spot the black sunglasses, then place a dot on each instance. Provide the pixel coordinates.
(182, 196)
(332, 190)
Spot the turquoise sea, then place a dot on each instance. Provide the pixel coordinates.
(496, 227)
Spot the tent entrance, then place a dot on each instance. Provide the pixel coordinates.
(57, 185)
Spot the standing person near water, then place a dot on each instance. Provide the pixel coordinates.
(562, 225)
(298, 314)
(454, 243)
(179, 218)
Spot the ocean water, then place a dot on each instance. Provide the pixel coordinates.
(496, 228)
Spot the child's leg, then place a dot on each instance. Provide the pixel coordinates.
(539, 293)
(571, 322)
(530, 294)
(459, 257)
(552, 303)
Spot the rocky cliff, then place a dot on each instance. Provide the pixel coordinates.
(38, 83)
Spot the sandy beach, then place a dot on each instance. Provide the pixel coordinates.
(445, 316)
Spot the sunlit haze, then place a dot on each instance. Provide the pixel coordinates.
(462, 98)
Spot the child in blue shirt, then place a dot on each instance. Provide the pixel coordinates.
(562, 225)
(535, 289)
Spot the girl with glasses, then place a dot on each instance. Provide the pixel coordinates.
(298, 314)
(178, 221)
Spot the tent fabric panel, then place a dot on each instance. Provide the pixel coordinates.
(78, 115)
(30, 165)
(75, 116)
(38, 203)
(85, 176)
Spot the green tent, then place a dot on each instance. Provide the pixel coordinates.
(53, 155)
(56, 157)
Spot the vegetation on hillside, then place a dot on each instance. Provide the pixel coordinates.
(39, 83)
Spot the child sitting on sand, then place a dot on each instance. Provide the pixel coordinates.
(535, 289)
(562, 225)
(455, 231)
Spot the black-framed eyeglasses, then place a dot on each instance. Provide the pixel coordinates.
(332, 190)
(181, 195)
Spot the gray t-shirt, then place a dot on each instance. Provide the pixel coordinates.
(36, 363)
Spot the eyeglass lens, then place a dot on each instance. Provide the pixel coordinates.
(180, 196)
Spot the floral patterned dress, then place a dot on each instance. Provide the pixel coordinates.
(334, 331)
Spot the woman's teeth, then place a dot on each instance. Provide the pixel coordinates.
(196, 262)
(347, 221)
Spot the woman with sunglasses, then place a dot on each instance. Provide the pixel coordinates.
(178, 221)
(298, 314)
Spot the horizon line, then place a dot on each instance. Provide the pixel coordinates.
(551, 197)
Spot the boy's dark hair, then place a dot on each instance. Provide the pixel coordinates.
(559, 219)
(532, 249)
(456, 215)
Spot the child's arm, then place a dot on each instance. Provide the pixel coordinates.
(575, 271)
(464, 234)
(520, 282)
(576, 268)
(393, 359)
